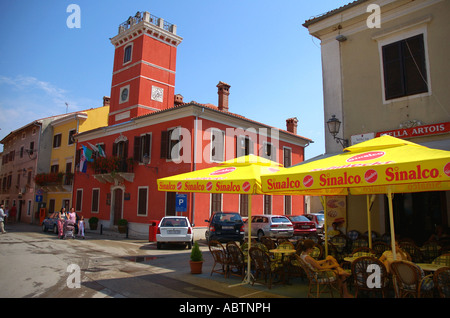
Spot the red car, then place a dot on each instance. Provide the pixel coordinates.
(302, 225)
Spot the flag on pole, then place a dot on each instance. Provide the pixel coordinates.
(86, 155)
(101, 152)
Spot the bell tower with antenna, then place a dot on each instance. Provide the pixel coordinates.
(143, 79)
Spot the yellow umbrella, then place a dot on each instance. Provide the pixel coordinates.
(240, 175)
(381, 165)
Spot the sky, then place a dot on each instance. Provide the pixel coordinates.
(258, 47)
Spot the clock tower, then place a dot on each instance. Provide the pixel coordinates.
(143, 79)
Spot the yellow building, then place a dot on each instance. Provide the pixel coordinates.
(385, 66)
(57, 185)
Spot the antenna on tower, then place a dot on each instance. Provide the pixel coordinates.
(67, 107)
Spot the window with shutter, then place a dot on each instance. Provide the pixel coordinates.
(404, 68)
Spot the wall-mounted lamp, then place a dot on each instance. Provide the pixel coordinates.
(334, 125)
(341, 38)
(146, 161)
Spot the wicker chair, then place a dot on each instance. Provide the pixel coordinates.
(363, 251)
(220, 258)
(263, 265)
(411, 280)
(441, 280)
(413, 250)
(380, 247)
(340, 242)
(322, 280)
(362, 275)
(430, 251)
(317, 252)
(444, 259)
(236, 260)
(361, 241)
(267, 241)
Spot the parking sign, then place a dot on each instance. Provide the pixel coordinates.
(181, 203)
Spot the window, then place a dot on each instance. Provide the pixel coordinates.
(217, 145)
(404, 68)
(124, 94)
(244, 146)
(216, 202)
(54, 168)
(95, 200)
(29, 208)
(142, 147)
(142, 201)
(269, 151)
(267, 204)
(57, 141)
(287, 161)
(71, 139)
(79, 201)
(287, 205)
(31, 148)
(170, 145)
(127, 54)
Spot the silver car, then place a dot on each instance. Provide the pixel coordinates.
(276, 226)
(174, 229)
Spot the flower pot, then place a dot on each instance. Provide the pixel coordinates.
(122, 229)
(93, 226)
(196, 267)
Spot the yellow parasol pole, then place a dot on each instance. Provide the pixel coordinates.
(249, 238)
(325, 227)
(391, 220)
(370, 200)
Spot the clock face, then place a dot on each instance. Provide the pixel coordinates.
(124, 95)
(157, 93)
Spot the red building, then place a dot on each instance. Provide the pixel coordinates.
(152, 133)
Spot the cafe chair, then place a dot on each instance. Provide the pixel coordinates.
(441, 279)
(279, 257)
(322, 280)
(413, 250)
(317, 251)
(370, 280)
(363, 251)
(268, 242)
(410, 280)
(380, 247)
(360, 242)
(340, 242)
(444, 259)
(220, 258)
(430, 251)
(264, 265)
(236, 260)
(353, 235)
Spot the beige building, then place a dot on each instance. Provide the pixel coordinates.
(385, 70)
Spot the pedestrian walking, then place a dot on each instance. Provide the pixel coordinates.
(2, 219)
(61, 218)
(81, 227)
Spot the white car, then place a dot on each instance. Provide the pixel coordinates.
(275, 226)
(174, 229)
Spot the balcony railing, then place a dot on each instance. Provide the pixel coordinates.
(145, 16)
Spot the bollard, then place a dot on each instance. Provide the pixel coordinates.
(101, 229)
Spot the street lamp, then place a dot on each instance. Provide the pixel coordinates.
(146, 161)
(333, 127)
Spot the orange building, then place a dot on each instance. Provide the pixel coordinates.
(153, 133)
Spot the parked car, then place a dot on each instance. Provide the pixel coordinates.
(302, 225)
(225, 227)
(51, 223)
(174, 230)
(318, 219)
(275, 226)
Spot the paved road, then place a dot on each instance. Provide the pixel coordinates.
(37, 264)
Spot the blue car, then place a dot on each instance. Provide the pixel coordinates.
(51, 223)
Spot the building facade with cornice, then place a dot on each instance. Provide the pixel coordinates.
(152, 133)
(385, 71)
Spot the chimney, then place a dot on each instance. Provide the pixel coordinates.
(291, 125)
(178, 99)
(223, 91)
(106, 100)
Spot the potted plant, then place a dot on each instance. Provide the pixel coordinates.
(196, 261)
(93, 223)
(122, 225)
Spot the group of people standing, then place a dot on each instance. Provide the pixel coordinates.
(72, 217)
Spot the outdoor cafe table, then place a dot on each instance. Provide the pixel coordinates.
(283, 252)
